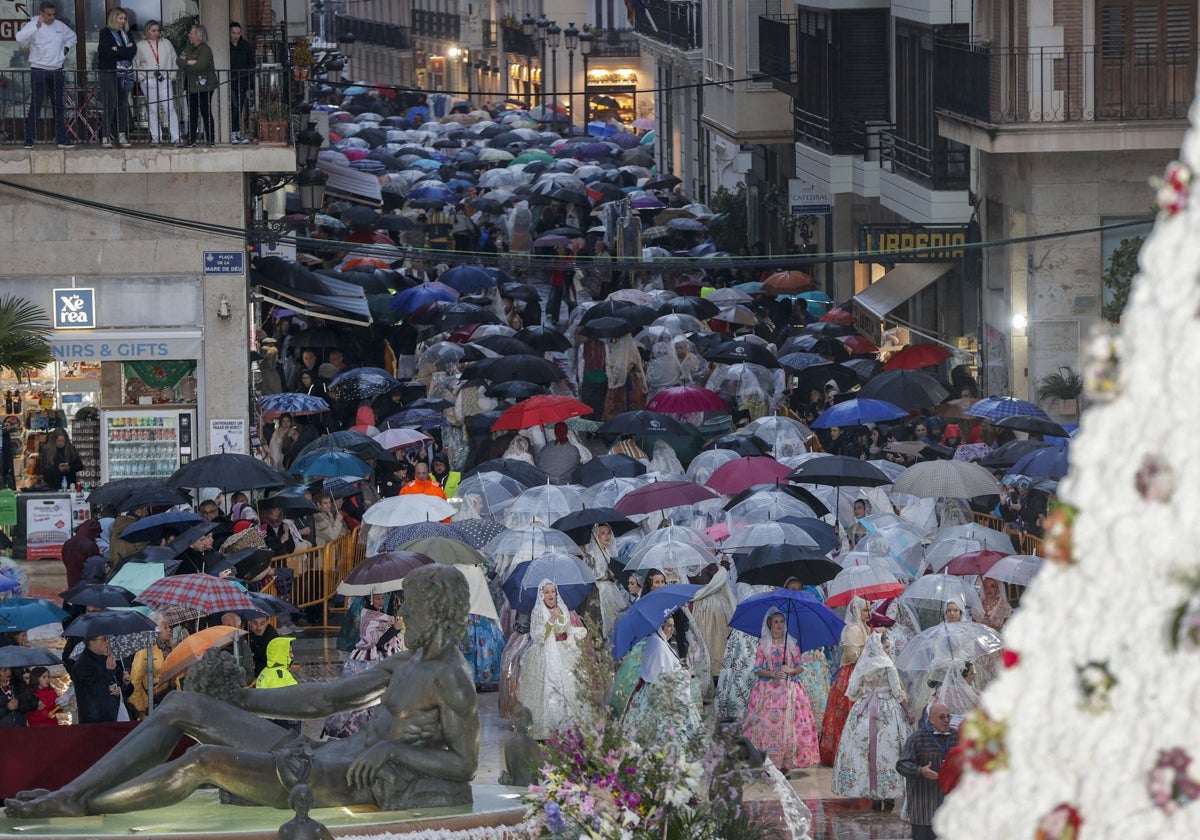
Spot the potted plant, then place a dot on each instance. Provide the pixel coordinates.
(302, 59)
(271, 120)
(1063, 389)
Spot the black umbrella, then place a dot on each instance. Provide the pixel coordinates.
(662, 182)
(773, 564)
(481, 424)
(635, 314)
(1032, 424)
(409, 390)
(641, 423)
(372, 282)
(605, 467)
(1007, 455)
(359, 217)
(534, 369)
(909, 389)
(705, 341)
(741, 444)
(351, 441)
(98, 595)
(168, 556)
(520, 291)
(271, 605)
(578, 525)
(568, 196)
(133, 493)
(282, 274)
(828, 328)
(769, 492)
(447, 316)
(701, 308)
(867, 369)
(521, 471)
(430, 404)
(515, 390)
(396, 222)
(818, 376)
(742, 352)
(822, 344)
(839, 471)
(543, 339)
(608, 327)
(505, 345)
(251, 564)
(228, 471)
(291, 499)
(109, 623)
(186, 537)
(600, 192)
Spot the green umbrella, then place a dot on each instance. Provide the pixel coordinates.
(137, 576)
(446, 550)
(531, 155)
(20, 614)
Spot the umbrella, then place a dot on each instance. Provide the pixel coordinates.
(741, 352)
(770, 493)
(927, 596)
(154, 528)
(787, 283)
(645, 423)
(513, 545)
(611, 327)
(634, 313)
(917, 356)
(354, 442)
(543, 339)
(605, 467)
(539, 411)
(534, 369)
(662, 495)
(860, 346)
(504, 345)
(446, 550)
(686, 399)
(1012, 452)
(467, 279)
(741, 444)
(953, 479)
(271, 605)
(987, 537)
(405, 534)
(735, 476)
(20, 614)
(701, 308)
(911, 389)
(578, 525)
(330, 463)
(410, 300)
(521, 471)
(1031, 423)
(393, 439)
(839, 471)
(116, 492)
(189, 650)
(109, 623)
(521, 588)
(97, 595)
(135, 577)
(647, 614)
(291, 499)
(18, 657)
(858, 412)
(296, 404)
(408, 509)
(797, 362)
(419, 418)
(362, 383)
(1049, 462)
(811, 623)
(868, 582)
(204, 593)
(1019, 569)
(997, 408)
(974, 563)
(775, 564)
(228, 471)
(558, 568)
(382, 573)
(448, 316)
(942, 646)
(515, 390)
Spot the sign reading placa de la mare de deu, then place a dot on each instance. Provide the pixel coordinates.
(74, 309)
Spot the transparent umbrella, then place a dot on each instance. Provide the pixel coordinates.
(606, 493)
(970, 650)
(875, 559)
(926, 598)
(941, 552)
(682, 557)
(770, 508)
(900, 539)
(542, 505)
(742, 540)
(786, 436)
(706, 463)
(518, 544)
(989, 538)
(442, 357)
(489, 493)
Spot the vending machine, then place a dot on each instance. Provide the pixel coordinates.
(145, 443)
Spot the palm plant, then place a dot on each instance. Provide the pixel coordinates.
(1066, 384)
(24, 336)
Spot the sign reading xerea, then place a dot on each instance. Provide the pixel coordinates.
(74, 309)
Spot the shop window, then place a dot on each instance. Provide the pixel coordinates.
(163, 382)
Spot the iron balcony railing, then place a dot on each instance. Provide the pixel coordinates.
(674, 22)
(1115, 81)
(944, 166)
(263, 98)
(837, 136)
(442, 26)
(377, 34)
(616, 43)
(777, 48)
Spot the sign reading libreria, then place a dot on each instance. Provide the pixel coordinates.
(74, 309)
(927, 243)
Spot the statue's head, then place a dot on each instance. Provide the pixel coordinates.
(522, 719)
(301, 799)
(437, 601)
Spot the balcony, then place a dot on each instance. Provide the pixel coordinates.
(514, 41)
(1063, 98)
(490, 28)
(673, 22)
(616, 43)
(777, 52)
(366, 31)
(440, 26)
(944, 166)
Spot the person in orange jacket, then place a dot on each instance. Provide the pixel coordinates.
(423, 483)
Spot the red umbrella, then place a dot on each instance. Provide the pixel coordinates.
(858, 345)
(686, 399)
(838, 315)
(787, 283)
(735, 476)
(662, 495)
(917, 356)
(973, 563)
(540, 410)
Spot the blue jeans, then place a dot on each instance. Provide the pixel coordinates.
(41, 80)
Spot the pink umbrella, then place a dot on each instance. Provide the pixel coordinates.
(662, 495)
(974, 563)
(643, 123)
(735, 476)
(869, 582)
(686, 399)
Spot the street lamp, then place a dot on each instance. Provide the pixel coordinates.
(572, 40)
(543, 24)
(346, 44)
(553, 36)
(586, 44)
(528, 27)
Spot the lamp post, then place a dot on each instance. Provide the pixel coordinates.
(528, 27)
(543, 24)
(571, 35)
(553, 37)
(586, 43)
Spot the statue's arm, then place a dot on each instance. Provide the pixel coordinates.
(309, 701)
(460, 731)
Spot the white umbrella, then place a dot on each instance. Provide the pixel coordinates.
(879, 560)
(684, 558)
(489, 493)
(542, 505)
(1019, 569)
(773, 507)
(609, 491)
(392, 439)
(408, 510)
(743, 540)
(989, 538)
(953, 479)
(926, 598)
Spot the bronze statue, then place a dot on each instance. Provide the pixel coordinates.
(421, 748)
(302, 826)
(522, 754)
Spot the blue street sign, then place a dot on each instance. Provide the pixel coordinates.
(224, 262)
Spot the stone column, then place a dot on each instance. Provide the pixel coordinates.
(214, 14)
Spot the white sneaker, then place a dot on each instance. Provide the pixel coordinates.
(122, 139)
(235, 138)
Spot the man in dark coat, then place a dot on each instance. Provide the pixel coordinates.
(79, 548)
(101, 685)
(920, 760)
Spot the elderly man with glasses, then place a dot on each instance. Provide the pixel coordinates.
(920, 760)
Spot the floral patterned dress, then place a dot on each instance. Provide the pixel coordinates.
(483, 647)
(875, 732)
(779, 719)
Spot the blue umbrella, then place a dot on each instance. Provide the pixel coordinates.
(1047, 462)
(437, 193)
(647, 613)
(858, 412)
(996, 408)
(824, 533)
(329, 463)
(20, 614)
(292, 404)
(562, 569)
(809, 622)
(469, 278)
(359, 90)
(154, 528)
(405, 534)
(522, 598)
(415, 418)
(8, 584)
(425, 163)
(820, 297)
(410, 300)
(362, 383)
(421, 111)
(601, 129)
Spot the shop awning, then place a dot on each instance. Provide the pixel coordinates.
(895, 287)
(294, 287)
(345, 182)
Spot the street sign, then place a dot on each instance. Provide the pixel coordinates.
(224, 262)
(806, 199)
(74, 309)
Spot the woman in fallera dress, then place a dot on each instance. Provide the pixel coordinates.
(779, 718)
(837, 707)
(547, 684)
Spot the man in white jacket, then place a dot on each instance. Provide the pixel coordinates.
(49, 40)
